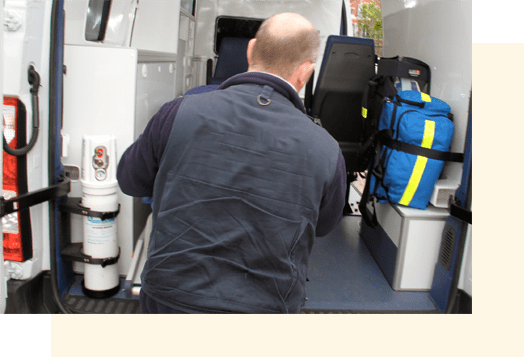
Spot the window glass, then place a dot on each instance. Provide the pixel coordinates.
(368, 22)
(188, 5)
(233, 26)
(96, 21)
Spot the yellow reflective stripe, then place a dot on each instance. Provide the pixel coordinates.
(364, 113)
(429, 134)
(420, 164)
(425, 97)
(414, 180)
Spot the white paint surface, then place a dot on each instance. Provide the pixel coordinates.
(99, 99)
(438, 33)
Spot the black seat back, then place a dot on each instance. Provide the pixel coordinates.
(347, 66)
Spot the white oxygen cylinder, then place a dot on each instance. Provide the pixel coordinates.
(99, 193)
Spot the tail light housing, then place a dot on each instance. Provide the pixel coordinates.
(16, 226)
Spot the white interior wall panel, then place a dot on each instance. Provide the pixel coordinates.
(118, 31)
(108, 75)
(156, 26)
(444, 45)
(155, 86)
(207, 11)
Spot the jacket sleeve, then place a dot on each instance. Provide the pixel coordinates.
(139, 164)
(332, 205)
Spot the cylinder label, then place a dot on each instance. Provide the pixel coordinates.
(100, 232)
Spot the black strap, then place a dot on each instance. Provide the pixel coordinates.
(373, 82)
(74, 252)
(384, 136)
(74, 205)
(370, 219)
(30, 199)
(308, 99)
(460, 212)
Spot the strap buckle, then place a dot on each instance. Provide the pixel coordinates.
(459, 212)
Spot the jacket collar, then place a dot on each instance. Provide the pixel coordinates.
(263, 79)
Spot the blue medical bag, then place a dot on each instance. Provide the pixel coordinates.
(415, 134)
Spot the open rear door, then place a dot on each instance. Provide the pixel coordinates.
(3, 287)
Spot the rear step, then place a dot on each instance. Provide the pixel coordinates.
(87, 305)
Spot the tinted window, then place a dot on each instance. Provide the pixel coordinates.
(228, 26)
(96, 21)
(188, 5)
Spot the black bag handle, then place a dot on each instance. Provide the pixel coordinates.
(410, 102)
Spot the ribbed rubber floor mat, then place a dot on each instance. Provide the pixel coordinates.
(311, 311)
(319, 311)
(86, 305)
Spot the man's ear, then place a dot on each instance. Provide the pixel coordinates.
(304, 72)
(249, 53)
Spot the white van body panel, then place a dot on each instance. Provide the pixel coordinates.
(29, 44)
(3, 287)
(120, 25)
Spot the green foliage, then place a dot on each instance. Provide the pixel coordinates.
(370, 21)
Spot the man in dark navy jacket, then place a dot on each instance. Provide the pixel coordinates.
(242, 182)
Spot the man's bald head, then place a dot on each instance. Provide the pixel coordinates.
(283, 43)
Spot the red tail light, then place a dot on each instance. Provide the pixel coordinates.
(16, 226)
